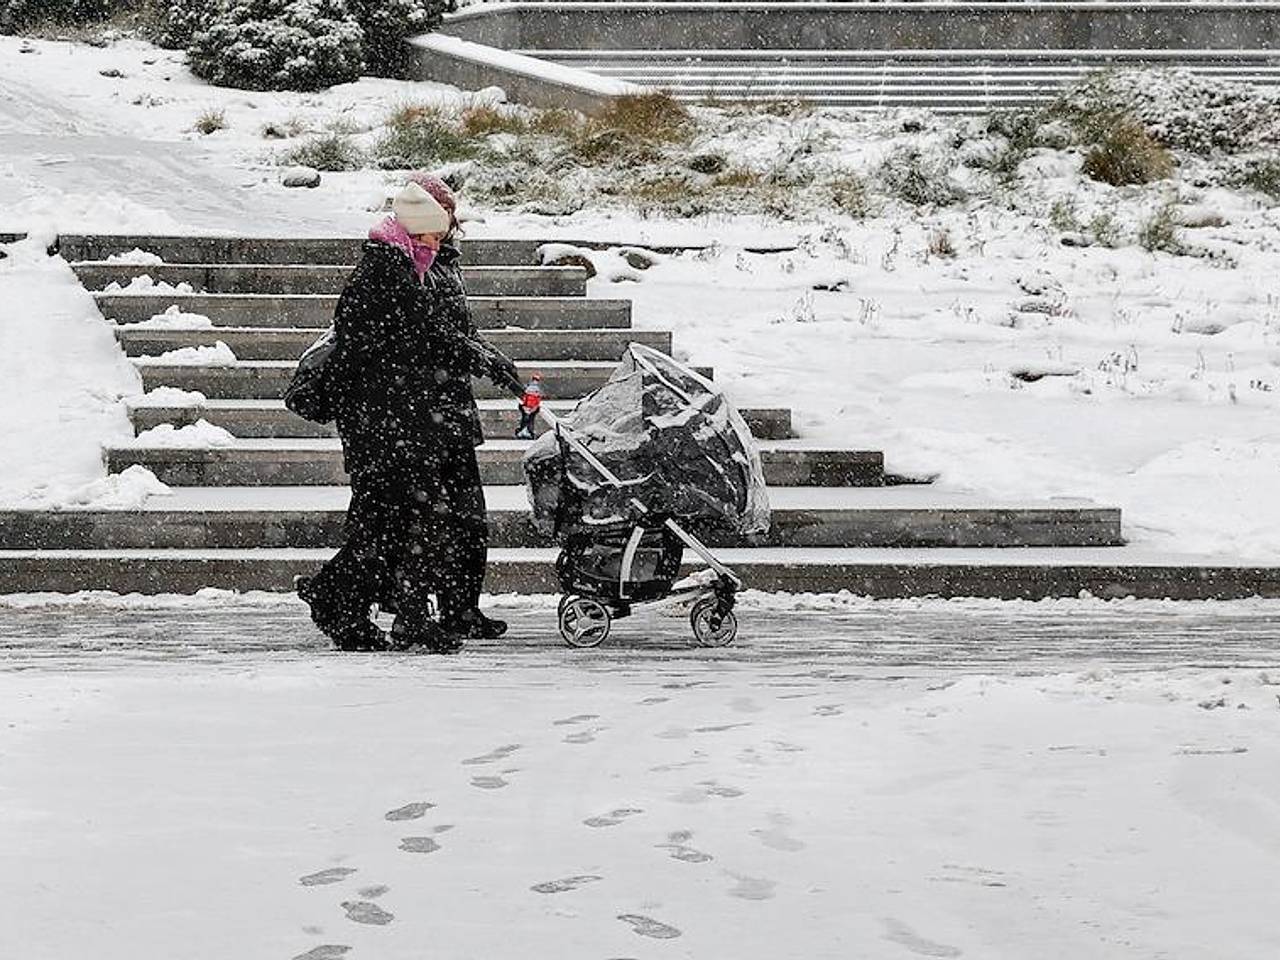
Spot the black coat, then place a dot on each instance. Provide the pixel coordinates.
(407, 352)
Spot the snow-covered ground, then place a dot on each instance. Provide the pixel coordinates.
(825, 790)
(1160, 383)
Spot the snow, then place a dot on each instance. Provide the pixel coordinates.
(173, 318)
(749, 808)
(202, 433)
(167, 397)
(136, 256)
(61, 379)
(130, 489)
(144, 285)
(218, 355)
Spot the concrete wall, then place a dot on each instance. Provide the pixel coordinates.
(535, 83)
(874, 26)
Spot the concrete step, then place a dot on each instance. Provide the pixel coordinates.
(267, 379)
(787, 463)
(288, 343)
(316, 310)
(279, 250)
(294, 278)
(1027, 574)
(328, 250)
(809, 517)
(263, 419)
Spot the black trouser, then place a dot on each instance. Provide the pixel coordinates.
(416, 525)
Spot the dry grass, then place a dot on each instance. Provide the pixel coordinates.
(1124, 153)
(483, 121)
(211, 121)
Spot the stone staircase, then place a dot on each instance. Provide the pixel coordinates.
(946, 81)
(252, 513)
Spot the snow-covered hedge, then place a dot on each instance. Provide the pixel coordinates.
(279, 45)
(15, 14)
(387, 24)
(178, 21)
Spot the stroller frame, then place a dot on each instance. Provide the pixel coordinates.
(585, 621)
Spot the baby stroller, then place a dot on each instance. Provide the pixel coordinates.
(619, 480)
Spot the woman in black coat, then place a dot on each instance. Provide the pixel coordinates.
(407, 350)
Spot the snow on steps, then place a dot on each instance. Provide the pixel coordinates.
(316, 310)
(288, 343)
(325, 279)
(810, 517)
(261, 419)
(268, 379)
(1029, 573)
(289, 462)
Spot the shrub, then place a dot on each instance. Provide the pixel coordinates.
(420, 135)
(848, 193)
(1104, 230)
(387, 24)
(211, 121)
(483, 121)
(910, 176)
(333, 152)
(1161, 232)
(178, 21)
(18, 14)
(1062, 215)
(279, 45)
(646, 116)
(1258, 173)
(1124, 153)
(556, 121)
(941, 245)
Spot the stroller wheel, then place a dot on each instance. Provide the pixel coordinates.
(710, 627)
(584, 622)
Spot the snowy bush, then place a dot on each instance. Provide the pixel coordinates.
(1180, 109)
(387, 24)
(919, 180)
(279, 45)
(331, 152)
(16, 14)
(178, 21)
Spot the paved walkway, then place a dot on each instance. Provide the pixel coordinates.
(916, 637)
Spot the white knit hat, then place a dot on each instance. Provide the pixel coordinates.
(420, 212)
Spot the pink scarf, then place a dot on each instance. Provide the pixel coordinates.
(391, 231)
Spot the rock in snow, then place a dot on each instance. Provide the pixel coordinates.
(300, 177)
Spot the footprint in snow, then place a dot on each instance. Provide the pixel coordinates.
(565, 884)
(648, 927)
(651, 701)
(323, 877)
(326, 951)
(678, 846)
(410, 811)
(577, 718)
(361, 911)
(582, 736)
(745, 705)
(612, 818)
(722, 727)
(901, 934)
(704, 791)
(373, 893)
(776, 836)
(419, 845)
(493, 755)
(828, 710)
(752, 888)
(492, 782)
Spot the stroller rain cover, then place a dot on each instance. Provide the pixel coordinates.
(671, 437)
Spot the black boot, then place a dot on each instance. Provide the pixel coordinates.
(425, 635)
(350, 633)
(474, 625)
